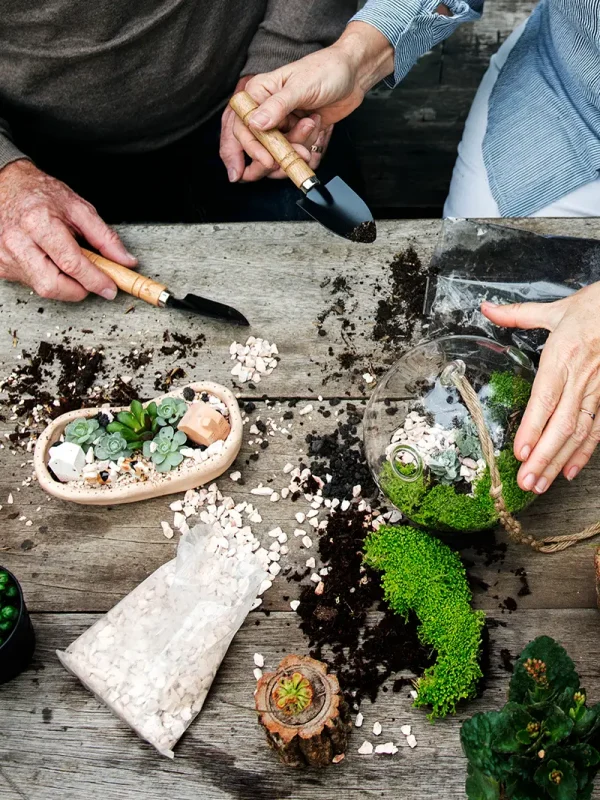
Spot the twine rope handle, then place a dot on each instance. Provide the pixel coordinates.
(549, 544)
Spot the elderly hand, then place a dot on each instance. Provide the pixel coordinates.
(558, 431)
(39, 216)
(302, 131)
(331, 83)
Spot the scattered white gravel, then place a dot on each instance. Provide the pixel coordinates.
(259, 660)
(389, 748)
(359, 720)
(294, 605)
(366, 749)
(258, 673)
(406, 729)
(253, 360)
(377, 729)
(411, 741)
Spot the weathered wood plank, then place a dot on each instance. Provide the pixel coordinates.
(85, 559)
(59, 743)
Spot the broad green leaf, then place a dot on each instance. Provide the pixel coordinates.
(556, 724)
(152, 409)
(480, 786)
(588, 724)
(128, 419)
(560, 671)
(137, 409)
(476, 737)
(521, 788)
(565, 785)
(509, 727)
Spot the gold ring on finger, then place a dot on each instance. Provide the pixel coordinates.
(316, 148)
(592, 414)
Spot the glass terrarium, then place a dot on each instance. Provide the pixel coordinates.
(422, 444)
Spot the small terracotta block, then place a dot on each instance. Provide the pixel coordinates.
(204, 424)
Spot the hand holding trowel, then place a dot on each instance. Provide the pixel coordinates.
(156, 294)
(335, 205)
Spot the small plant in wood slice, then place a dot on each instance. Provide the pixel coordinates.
(171, 410)
(293, 694)
(543, 743)
(164, 449)
(83, 432)
(137, 425)
(112, 446)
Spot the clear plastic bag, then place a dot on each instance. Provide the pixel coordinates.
(476, 262)
(153, 657)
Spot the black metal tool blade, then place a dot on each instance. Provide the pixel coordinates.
(341, 210)
(207, 308)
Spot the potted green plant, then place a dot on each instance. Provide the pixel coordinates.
(17, 638)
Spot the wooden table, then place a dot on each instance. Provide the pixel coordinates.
(56, 740)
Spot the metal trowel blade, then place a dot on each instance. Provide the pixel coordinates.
(336, 206)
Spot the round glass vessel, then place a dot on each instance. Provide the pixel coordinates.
(422, 445)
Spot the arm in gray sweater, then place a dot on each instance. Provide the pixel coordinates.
(291, 30)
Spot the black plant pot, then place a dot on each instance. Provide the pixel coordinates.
(17, 651)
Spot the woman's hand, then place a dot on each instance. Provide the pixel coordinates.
(304, 132)
(558, 431)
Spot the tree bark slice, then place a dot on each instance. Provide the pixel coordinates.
(310, 736)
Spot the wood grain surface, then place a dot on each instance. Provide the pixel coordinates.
(56, 741)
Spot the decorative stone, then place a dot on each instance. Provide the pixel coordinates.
(67, 461)
(204, 425)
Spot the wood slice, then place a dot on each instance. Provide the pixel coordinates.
(303, 712)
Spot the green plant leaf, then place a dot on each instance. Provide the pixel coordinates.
(588, 724)
(128, 419)
(137, 409)
(510, 724)
(480, 786)
(557, 779)
(560, 672)
(179, 438)
(524, 789)
(556, 724)
(126, 433)
(146, 450)
(476, 737)
(152, 410)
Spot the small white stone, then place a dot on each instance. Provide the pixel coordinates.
(356, 490)
(262, 491)
(167, 529)
(377, 729)
(389, 748)
(307, 541)
(266, 584)
(259, 660)
(345, 505)
(315, 578)
(310, 563)
(306, 410)
(413, 693)
(411, 741)
(10, 500)
(406, 730)
(359, 720)
(300, 517)
(299, 532)
(258, 673)
(294, 604)
(368, 378)
(177, 505)
(235, 476)
(288, 468)
(366, 749)
(274, 497)
(274, 568)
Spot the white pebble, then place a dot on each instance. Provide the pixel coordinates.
(306, 410)
(307, 541)
(366, 749)
(389, 748)
(411, 740)
(235, 476)
(294, 605)
(359, 720)
(259, 660)
(167, 529)
(406, 730)
(300, 517)
(258, 673)
(377, 729)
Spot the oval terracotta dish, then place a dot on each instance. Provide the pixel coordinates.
(180, 480)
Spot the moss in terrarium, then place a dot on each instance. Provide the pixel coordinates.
(441, 507)
(509, 390)
(423, 575)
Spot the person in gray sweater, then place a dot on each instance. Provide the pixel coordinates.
(113, 111)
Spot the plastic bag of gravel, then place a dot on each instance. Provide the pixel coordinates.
(153, 657)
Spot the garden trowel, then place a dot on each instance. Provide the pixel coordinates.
(335, 205)
(156, 294)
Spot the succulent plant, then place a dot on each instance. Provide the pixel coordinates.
(467, 441)
(164, 449)
(293, 693)
(83, 432)
(444, 464)
(9, 612)
(111, 447)
(171, 410)
(137, 425)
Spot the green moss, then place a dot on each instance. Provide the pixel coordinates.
(443, 508)
(422, 574)
(509, 390)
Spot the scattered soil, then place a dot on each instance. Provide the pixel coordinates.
(398, 313)
(363, 653)
(365, 233)
(506, 660)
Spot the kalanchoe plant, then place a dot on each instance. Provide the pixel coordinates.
(543, 743)
(83, 432)
(164, 449)
(137, 425)
(445, 466)
(111, 447)
(171, 410)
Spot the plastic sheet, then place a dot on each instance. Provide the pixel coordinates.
(153, 657)
(476, 262)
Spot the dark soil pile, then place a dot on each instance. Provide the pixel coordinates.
(365, 233)
(363, 653)
(402, 308)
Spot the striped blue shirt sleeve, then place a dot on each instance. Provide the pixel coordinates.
(413, 26)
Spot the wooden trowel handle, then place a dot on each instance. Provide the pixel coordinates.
(275, 142)
(128, 280)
